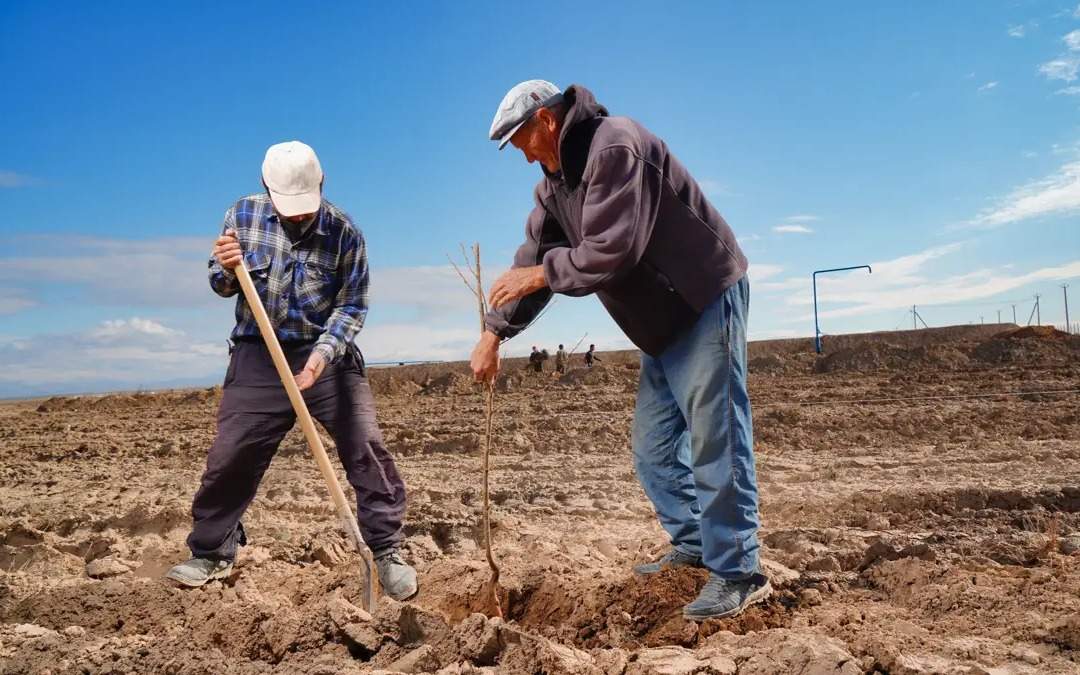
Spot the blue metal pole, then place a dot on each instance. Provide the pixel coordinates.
(817, 329)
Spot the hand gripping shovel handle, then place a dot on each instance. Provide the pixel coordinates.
(312, 436)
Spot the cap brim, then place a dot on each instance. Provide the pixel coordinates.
(296, 205)
(506, 137)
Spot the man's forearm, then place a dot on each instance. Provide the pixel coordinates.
(341, 328)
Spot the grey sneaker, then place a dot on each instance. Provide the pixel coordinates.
(396, 578)
(198, 571)
(721, 597)
(673, 558)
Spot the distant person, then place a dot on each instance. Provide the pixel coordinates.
(309, 264)
(590, 356)
(537, 358)
(618, 215)
(560, 360)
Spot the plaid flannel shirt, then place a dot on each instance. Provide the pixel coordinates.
(314, 289)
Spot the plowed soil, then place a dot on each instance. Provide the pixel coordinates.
(920, 497)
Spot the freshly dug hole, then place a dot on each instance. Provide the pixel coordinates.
(629, 612)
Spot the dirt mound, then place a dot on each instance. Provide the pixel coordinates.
(769, 364)
(109, 403)
(394, 386)
(1034, 332)
(885, 356)
(597, 375)
(448, 383)
(1031, 344)
(61, 404)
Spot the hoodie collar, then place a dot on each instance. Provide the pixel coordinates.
(574, 138)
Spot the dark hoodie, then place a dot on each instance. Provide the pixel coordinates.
(624, 220)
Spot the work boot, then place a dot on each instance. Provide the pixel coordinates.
(398, 580)
(198, 571)
(723, 597)
(673, 558)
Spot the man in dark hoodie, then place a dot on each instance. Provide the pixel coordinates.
(618, 215)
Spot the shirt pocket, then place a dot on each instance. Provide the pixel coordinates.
(315, 283)
(258, 267)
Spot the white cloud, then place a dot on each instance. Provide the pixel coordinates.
(795, 224)
(714, 188)
(760, 271)
(1064, 66)
(1069, 91)
(121, 328)
(1016, 31)
(116, 354)
(1072, 41)
(431, 289)
(886, 273)
(408, 342)
(747, 238)
(792, 229)
(11, 179)
(901, 282)
(1057, 194)
(773, 334)
(14, 300)
(977, 285)
(168, 272)
(988, 86)
(902, 270)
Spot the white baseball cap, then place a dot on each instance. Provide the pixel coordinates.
(519, 105)
(293, 176)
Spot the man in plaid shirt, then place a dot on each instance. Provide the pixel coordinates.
(309, 264)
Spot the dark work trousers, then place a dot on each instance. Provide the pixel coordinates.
(255, 415)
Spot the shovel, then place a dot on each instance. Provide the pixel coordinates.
(314, 442)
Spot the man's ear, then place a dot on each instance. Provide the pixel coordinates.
(547, 118)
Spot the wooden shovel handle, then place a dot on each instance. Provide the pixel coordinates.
(310, 433)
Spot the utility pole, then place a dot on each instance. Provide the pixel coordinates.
(915, 316)
(999, 316)
(1038, 313)
(981, 320)
(1065, 290)
(1014, 313)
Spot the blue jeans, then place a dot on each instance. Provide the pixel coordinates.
(693, 439)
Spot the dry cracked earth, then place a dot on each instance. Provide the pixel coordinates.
(915, 520)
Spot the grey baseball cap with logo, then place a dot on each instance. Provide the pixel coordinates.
(519, 105)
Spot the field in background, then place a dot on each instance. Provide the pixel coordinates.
(920, 500)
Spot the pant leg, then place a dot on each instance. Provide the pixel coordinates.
(342, 402)
(251, 423)
(706, 369)
(662, 458)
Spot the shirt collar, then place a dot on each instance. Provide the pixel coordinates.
(321, 224)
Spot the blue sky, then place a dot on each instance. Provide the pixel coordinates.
(938, 141)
